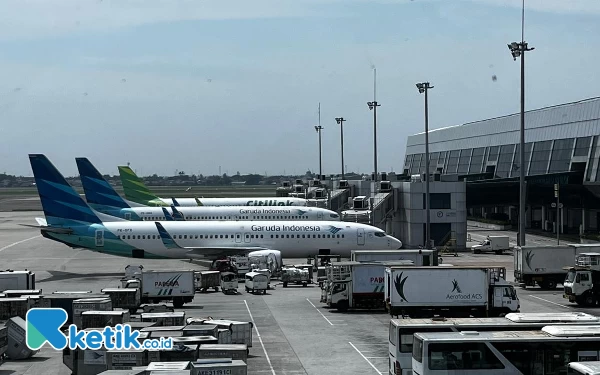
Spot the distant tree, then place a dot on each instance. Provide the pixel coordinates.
(253, 179)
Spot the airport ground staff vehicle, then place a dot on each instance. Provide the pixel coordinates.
(295, 276)
(229, 282)
(449, 291)
(419, 257)
(544, 265)
(497, 244)
(207, 279)
(582, 283)
(157, 286)
(17, 280)
(401, 331)
(358, 285)
(540, 352)
(256, 282)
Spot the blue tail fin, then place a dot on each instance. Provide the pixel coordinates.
(166, 237)
(175, 203)
(177, 215)
(61, 203)
(167, 214)
(97, 189)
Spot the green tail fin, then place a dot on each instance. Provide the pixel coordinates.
(135, 189)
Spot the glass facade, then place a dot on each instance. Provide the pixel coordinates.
(540, 158)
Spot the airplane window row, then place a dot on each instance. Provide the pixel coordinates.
(260, 217)
(227, 236)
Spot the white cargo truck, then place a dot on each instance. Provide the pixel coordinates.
(157, 286)
(497, 244)
(449, 292)
(420, 257)
(17, 280)
(359, 284)
(545, 265)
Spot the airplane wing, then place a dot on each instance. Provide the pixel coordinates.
(213, 252)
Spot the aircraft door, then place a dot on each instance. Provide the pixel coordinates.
(247, 237)
(319, 216)
(99, 238)
(360, 236)
(238, 238)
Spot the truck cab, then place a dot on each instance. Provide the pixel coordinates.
(582, 283)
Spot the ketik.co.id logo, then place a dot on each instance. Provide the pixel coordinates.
(44, 324)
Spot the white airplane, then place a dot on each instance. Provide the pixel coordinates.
(136, 191)
(102, 197)
(69, 220)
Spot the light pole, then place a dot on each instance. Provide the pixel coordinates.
(423, 88)
(518, 50)
(340, 121)
(373, 106)
(318, 129)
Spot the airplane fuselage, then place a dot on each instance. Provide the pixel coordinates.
(293, 239)
(259, 201)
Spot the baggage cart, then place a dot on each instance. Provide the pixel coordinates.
(207, 279)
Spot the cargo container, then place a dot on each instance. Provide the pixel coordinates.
(241, 332)
(218, 366)
(16, 280)
(161, 367)
(233, 351)
(420, 257)
(90, 362)
(176, 318)
(224, 336)
(195, 340)
(89, 304)
(17, 346)
(3, 340)
(544, 265)
(64, 300)
(207, 279)
(124, 298)
(101, 319)
(21, 293)
(10, 307)
(179, 353)
(201, 330)
(449, 292)
(125, 359)
(156, 308)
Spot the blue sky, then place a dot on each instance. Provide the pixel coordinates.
(194, 85)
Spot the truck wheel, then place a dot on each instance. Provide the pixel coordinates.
(476, 251)
(178, 302)
(589, 300)
(342, 305)
(285, 284)
(216, 288)
(548, 284)
(499, 252)
(304, 284)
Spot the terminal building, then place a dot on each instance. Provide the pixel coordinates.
(562, 147)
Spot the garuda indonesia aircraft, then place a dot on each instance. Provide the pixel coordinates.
(136, 191)
(69, 220)
(101, 196)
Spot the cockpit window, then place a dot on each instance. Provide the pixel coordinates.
(335, 216)
(380, 234)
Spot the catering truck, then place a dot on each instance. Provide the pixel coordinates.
(157, 286)
(497, 244)
(419, 257)
(582, 283)
(545, 265)
(359, 284)
(449, 291)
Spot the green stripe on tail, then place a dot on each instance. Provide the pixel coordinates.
(135, 189)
